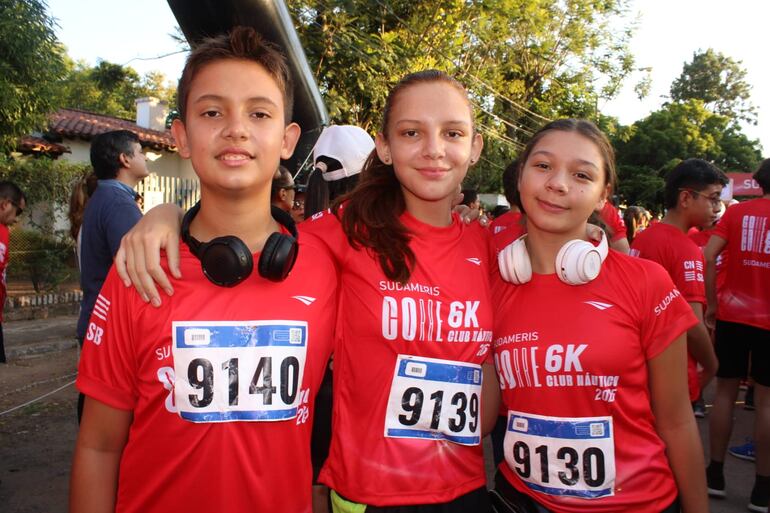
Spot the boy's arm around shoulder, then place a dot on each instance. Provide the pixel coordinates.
(138, 259)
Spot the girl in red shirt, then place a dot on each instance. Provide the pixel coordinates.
(590, 365)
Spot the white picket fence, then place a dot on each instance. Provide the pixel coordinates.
(166, 189)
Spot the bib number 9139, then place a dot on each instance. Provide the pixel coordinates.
(434, 399)
(562, 456)
(238, 371)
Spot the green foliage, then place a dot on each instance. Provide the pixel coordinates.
(31, 67)
(524, 61)
(678, 131)
(44, 181)
(688, 130)
(640, 186)
(41, 258)
(719, 82)
(110, 89)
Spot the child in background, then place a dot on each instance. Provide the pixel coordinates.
(591, 358)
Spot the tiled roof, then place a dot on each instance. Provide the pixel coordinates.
(81, 124)
(32, 144)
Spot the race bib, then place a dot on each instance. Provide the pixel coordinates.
(238, 370)
(562, 456)
(435, 399)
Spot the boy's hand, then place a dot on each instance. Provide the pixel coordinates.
(138, 259)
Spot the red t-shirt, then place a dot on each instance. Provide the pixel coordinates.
(745, 297)
(407, 367)
(4, 236)
(203, 443)
(614, 221)
(701, 238)
(680, 256)
(507, 228)
(572, 365)
(683, 259)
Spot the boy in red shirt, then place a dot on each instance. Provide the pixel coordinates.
(691, 199)
(742, 331)
(203, 404)
(12, 204)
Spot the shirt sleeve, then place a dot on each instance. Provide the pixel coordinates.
(323, 231)
(611, 217)
(121, 218)
(108, 367)
(665, 313)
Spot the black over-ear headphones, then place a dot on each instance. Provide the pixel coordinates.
(227, 261)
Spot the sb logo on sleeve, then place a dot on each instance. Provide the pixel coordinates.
(434, 399)
(560, 455)
(238, 371)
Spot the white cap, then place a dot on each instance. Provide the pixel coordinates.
(348, 144)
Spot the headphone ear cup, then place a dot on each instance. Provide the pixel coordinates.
(226, 261)
(578, 262)
(514, 263)
(278, 256)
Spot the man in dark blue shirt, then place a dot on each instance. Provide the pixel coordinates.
(119, 164)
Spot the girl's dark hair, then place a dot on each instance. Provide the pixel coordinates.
(81, 193)
(633, 217)
(587, 130)
(371, 214)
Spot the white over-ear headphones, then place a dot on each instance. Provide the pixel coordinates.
(577, 263)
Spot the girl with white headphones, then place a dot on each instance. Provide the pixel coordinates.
(590, 357)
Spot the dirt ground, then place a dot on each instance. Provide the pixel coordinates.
(36, 441)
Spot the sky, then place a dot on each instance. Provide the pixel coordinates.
(668, 34)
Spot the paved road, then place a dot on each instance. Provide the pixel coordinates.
(36, 441)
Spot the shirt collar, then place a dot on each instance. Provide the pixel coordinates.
(118, 185)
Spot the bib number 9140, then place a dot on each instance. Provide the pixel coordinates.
(562, 456)
(434, 399)
(238, 371)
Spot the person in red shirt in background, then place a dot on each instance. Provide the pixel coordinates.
(12, 204)
(589, 344)
(740, 314)
(700, 235)
(692, 199)
(509, 226)
(616, 228)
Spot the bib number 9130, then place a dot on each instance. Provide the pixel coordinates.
(238, 371)
(434, 399)
(562, 456)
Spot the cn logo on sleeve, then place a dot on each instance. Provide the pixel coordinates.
(238, 370)
(434, 399)
(562, 455)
